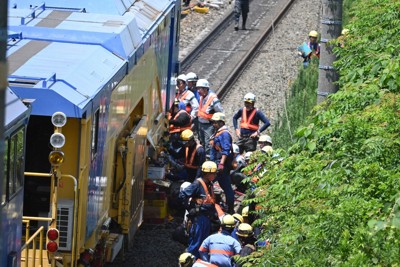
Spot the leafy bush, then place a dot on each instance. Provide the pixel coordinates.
(334, 200)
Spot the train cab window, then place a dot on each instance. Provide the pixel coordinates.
(95, 133)
(13, 165)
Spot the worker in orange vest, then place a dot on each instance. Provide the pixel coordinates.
(249, 129)
(208, 105)
(199, 200)
(179, 120)
(194, 155)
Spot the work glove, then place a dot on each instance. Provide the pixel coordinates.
(220, 167)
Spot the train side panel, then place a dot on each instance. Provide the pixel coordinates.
(16, 120)
(110, 74)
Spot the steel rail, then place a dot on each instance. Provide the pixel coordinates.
(249, 56)
(187, 61)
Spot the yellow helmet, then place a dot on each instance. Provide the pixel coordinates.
(219, 116)
(228, 221)
(265, 138)
(267, 149)
(187, 135)
(186, 259)
(313, 34)
(238, 217)
(245, 211)
(244, 230)
(345, 31)
(209, 166)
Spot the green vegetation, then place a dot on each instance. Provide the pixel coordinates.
(335, 198)
(301, 100)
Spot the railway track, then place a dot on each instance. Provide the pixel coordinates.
(224, 54)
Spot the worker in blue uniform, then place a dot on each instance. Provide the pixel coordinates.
(238, 220)
(221, 153)
(249, 126)
(219, 248)
(195, 155)
(200, 207)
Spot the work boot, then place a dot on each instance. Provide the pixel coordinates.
(236, 25)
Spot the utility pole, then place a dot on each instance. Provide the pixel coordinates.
(331, 28)
(3, 86)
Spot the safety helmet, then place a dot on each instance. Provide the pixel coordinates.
(244, 230)
(265, 138)
(219, 116)
(238, 217)
(313, 34)
(191, 77)
(187, 135)
(186, 259)
(209, 166)
(228, 221)
(267, 149)
(247, 155)
(245, 211)
(249, 97)
(202, 83)
(181, 77)
(235, 148)
(345, 31)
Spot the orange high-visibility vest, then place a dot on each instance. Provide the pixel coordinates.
(189, 161)
(216, 135)
(209, 199)
(183, 97)
(202, 113)
(246, 123)
(177, 129)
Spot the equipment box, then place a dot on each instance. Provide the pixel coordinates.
(155, 172)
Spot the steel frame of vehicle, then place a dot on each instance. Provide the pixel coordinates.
(16, 121)
(108, 67)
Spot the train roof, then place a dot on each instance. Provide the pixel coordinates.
(63, 57)
(112, 7)
(15, 108)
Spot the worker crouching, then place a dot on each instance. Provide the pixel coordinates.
(199, 201)
(195, 155)
(219, 248)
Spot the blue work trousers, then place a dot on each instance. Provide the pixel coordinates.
(224, 180)
(199, 231)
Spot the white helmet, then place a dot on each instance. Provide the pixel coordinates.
(235, 148)
(181, 77)
(247, 155)
(202, 83)
(191, 77)
(249, 97)
(265, 138)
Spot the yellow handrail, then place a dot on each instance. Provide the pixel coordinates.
(33, 239)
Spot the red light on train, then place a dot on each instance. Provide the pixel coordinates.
(52, 240)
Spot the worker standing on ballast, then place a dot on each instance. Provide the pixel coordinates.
(219, 248)
(241, 8)
(195, 155)
(209, 104)
(249, 125)
(198, 198)
(222, 154)
(186, 96)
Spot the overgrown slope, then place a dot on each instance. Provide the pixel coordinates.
(334, 199)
